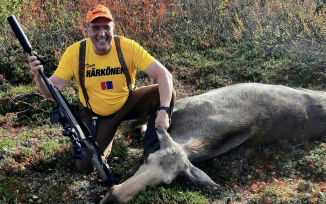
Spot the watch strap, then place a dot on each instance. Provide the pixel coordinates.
(167, 109)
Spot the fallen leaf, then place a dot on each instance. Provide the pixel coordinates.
(272, 166)
(16, 154)
(60, 149)
(253, 187)
(259, 171)
(268, 201)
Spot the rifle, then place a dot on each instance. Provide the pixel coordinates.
(73, 126)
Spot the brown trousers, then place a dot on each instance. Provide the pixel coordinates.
(141, 102)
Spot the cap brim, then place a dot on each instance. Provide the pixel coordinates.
(103, 16)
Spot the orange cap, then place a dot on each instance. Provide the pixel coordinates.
(98, 11)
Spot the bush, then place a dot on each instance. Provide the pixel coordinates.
(50, 28)
(295, 32)
(11, 189)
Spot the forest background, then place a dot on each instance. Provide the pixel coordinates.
(205, 44)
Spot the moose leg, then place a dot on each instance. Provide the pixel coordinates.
(125, 191)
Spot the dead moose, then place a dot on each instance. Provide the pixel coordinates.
(215, 122)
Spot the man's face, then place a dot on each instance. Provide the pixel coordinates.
(100, 31)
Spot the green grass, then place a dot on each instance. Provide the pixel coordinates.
(38, 164)
(203, 70)
(172, 194)
(11, 189)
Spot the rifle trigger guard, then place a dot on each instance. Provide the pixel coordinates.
(55, 115)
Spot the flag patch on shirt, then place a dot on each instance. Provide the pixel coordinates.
(106, 85)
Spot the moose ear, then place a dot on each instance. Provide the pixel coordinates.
(198, 176)
(164, 137)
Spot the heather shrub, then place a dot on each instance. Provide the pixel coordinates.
(265, 40)
(50, 27)
(268, 41)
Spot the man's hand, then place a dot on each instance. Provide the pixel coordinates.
(35, 64)
(162, 119)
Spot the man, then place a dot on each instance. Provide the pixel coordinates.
(108, 95)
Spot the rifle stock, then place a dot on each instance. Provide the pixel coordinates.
(77, 131)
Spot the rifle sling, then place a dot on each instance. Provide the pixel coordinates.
(82, 53)
(122, 62)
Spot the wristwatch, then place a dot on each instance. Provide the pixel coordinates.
(167, 109)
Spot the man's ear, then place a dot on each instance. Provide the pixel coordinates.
(86, 26)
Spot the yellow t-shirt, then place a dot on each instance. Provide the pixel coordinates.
(105, 81)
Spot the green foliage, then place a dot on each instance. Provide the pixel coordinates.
(4, 84)
(314, 163)
(21, 108)
(21, 105)
(6, 144)
(50, 27)
(172, 194)
(120, 149)
(33, 148)
(11, 189)
(247, 40)
(229, 64)
(120, 152)
(57, 193)
(8, 55)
